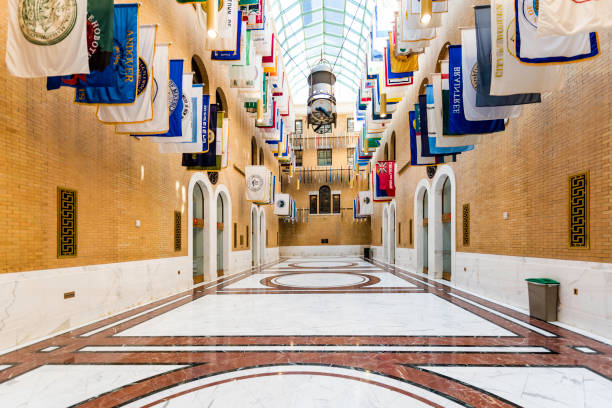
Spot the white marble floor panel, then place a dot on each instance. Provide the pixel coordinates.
(60, 386)
(537, 387)
(320, 280)
(298, 386)
(386, 314)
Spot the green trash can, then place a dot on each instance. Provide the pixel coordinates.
(543, 298)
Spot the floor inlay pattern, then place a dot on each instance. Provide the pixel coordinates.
(318, 332)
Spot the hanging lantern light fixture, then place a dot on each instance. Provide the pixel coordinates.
(321, 100)
(426, 10)
(212, 12)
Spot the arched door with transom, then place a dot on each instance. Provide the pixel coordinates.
(446, 216)
(198, 234)
(254, 236)
(392, 242)
(220, 228)
(262, 237)
(425, 232)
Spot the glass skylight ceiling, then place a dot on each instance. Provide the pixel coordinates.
(307, 27)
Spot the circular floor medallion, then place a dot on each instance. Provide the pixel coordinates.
(322, 264)
(320, 280)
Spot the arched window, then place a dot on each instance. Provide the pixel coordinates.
(253, 152)
(392, 150)
(261, 157)
(425, 205)
(446, 197)
(199, 73)
(222, 102)
(423, 87)
(443, 55)
(386, 152)
(324, 200)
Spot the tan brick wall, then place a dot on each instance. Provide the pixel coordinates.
(48, 141)
(524, 170)
(338, 229)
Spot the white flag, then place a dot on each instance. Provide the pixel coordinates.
(258, 183)
(186, 115)
(47, 39)
(194, 145)
(440, 84)
(366, 206)
(282, 204)
(469, 71)
(227, 22)
(159, 124)
(567, 17)
(142, 108)
(509, 76)
(410, 25)
(532, 49)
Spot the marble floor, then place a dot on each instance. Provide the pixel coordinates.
(319, 332)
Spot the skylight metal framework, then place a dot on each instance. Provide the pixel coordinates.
(307, 28)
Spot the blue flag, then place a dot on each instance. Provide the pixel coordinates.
(200, 161)
(429, 97)
(124, 62)
(231, 55)
(458, 124)
(175, 101)
(205, 108)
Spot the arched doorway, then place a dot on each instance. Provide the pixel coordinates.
(421, 226)
(254, 236)
(198, 234)
(262, 236)
(446, 230)
(442, 223)
(220, 228)
(385, 233)
(392, 233)
(425, 231)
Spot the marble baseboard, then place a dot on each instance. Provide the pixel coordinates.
(377, 253)
(322, 250)
(240, 261)
(406, 258)
(32, 303)
(502, 278)
(271, 255)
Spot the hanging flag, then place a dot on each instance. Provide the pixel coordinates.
(435, 125)
(142, 108)
(159, 92)
(237, 53)
(509, 76)
(437, 7)
(210, 160)
(168, 103)
(44, 42)
(125, 62)
(469, 69)
(180, 119)
(227, 20)
(258, 184)
(568, 17)
(384, 181)
(441, 103)
(99, 47)
(282, 205)
(366, 206)
(532, 49)
(416, 152)
(194, 145)
(482, 16)
(458, 124)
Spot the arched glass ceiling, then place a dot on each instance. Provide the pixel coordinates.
(307, 27)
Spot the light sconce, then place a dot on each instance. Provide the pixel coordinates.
(259, 111)
(212, 12)
(383, 105)
(426, 10)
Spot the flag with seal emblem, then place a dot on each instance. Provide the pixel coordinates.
(482, 16)
(180, 118)
(47, 38)
(195, 144)
(457, 122)
(508, 75)
(99, 48)
(282, 204)
(557, 49)
(142, 108)
(124, 62)
(159, 124)
(469, 70)
(568, 17)
(258, 183)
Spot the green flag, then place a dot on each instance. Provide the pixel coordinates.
(99, 33)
